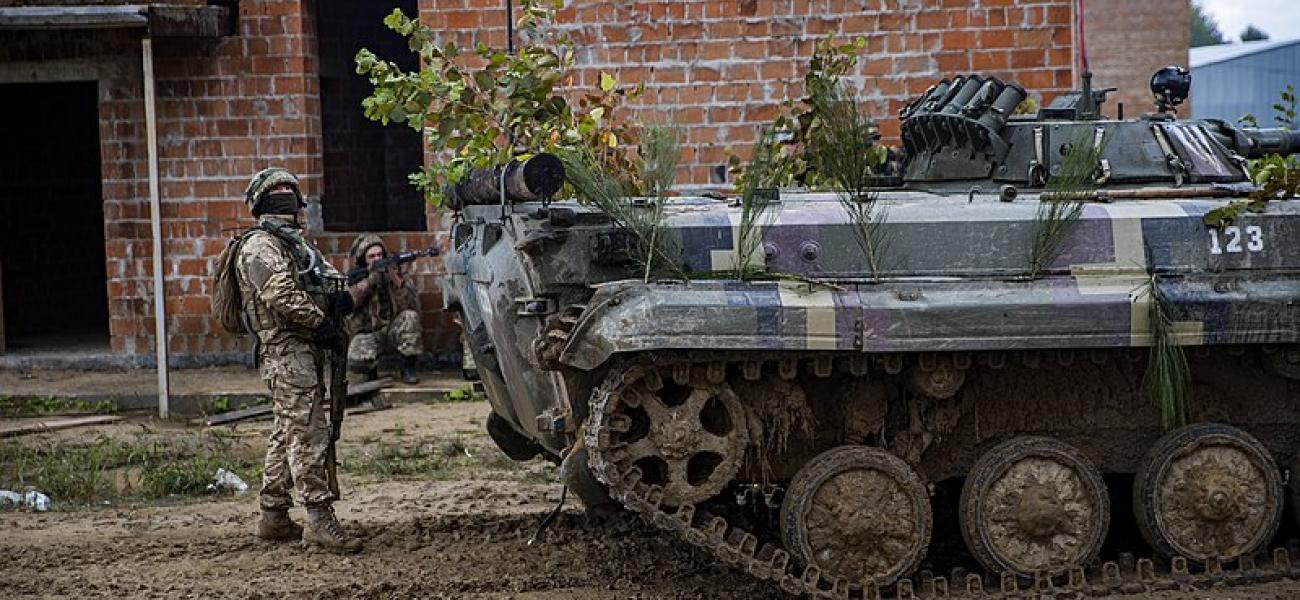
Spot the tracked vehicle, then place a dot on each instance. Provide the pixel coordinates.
(800, 427)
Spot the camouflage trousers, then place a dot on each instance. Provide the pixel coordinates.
(295, 452)
(401, 334)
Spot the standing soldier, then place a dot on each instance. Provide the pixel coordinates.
(286, 300)
(387, 315)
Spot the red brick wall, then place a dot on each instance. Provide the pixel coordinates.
(1128, 41)
(229, 107)
(721, 68)
(226, 108)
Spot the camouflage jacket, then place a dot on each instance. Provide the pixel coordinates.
(376, 308)
(278, 302)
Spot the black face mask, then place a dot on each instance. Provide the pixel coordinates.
(278, 203)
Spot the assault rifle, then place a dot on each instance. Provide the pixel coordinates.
(356, 274)
(338, 388)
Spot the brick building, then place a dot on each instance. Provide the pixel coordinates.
(1127, 42)
(241, 84)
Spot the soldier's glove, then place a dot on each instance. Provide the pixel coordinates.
(342, 303)
(328, 333)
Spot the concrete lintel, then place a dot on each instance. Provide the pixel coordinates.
(74, 17)
(157, 20)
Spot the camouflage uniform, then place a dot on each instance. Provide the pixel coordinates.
(284, 315)
(385, 319)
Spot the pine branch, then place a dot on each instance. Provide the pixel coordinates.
(1168, 377)
(846, 152)
(654, 249)
(1060, 207)
(756, 202)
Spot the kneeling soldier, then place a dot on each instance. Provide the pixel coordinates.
(387, 315)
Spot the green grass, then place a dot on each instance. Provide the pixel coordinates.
(847, 153)
(655, 252)
(29, 406)
(759, 203)
(76, 472)
(441, 458)
(464, 393)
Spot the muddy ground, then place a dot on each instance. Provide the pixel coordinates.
(442, 513)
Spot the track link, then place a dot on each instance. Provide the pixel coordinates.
(741, 549)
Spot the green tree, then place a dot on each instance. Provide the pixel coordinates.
(1205, 31)
(1253, 34)
(482, 107)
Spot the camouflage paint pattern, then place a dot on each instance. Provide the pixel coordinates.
(956, 279)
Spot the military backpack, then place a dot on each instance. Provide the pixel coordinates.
(227, 302)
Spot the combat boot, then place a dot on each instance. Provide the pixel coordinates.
(323, 529)
(408, 371)
(276, 526)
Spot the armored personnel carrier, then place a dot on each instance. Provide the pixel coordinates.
(815, 429)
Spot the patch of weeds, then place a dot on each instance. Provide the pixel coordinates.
(180, 477)
(75, 472)
(543, 473)
(34, 406)
(64, 472)
(432, 457)
(464, 393)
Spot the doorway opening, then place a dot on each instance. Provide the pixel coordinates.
(365, 163)
(52, 275)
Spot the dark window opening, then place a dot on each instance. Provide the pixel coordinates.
(366, 164)
(52, 270)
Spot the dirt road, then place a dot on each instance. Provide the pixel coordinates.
(463, 534)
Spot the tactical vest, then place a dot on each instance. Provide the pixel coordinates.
(308, 268)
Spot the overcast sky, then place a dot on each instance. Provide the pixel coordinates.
(1280, 19)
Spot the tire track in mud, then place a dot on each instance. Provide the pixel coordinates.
(449, 556)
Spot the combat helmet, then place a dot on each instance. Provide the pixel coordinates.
(266, 180)
(363, 243)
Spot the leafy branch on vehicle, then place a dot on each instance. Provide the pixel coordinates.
(793, 131)
(1276, 177)
(507, 106)
(1060, 207)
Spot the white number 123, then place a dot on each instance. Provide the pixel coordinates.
(1233, 234)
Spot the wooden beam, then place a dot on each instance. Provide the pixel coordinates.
(155, 226)
(354, 390)
(55, 425)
